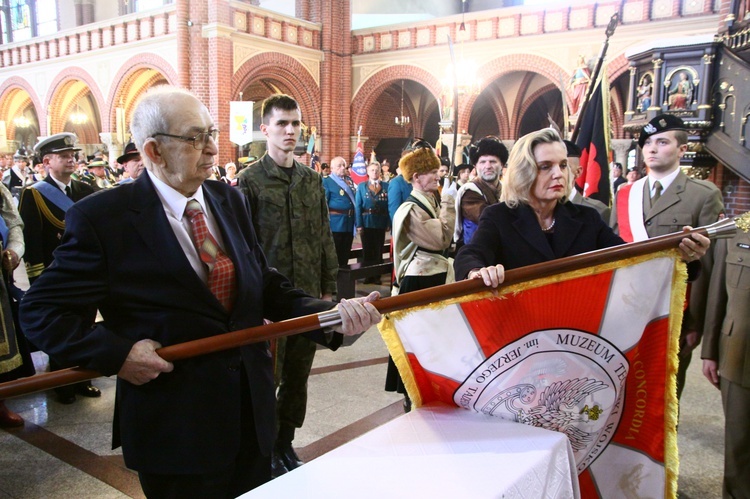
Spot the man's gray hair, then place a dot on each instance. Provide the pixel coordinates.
(151, 112)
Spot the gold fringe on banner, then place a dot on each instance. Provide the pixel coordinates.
(679, 287)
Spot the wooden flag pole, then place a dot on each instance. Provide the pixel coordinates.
(723, 229)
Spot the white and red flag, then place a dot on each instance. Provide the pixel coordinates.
(591, 353)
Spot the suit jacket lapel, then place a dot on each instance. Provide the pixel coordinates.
(151, 224)
(669, 197)
(527, 226)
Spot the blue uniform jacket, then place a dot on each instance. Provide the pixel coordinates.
(372, 210)
(338, 201)
(398, 190)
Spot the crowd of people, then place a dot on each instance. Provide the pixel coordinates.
(271, 235)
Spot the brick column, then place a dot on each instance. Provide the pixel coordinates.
(335, 77)
(182, 11)
(219, 73)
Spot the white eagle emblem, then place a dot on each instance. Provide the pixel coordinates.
(649, 129)
(558, 407)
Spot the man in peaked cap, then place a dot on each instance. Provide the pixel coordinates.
(489, 156)
(131, 162)
(663, 202)
(42, 209)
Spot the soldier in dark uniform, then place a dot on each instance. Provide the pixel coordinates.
(340, 192)
(42, 209)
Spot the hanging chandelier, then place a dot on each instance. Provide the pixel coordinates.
(22, 122)
(77, 117)
(402, 120)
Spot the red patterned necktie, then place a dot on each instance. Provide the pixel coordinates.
(221, 278)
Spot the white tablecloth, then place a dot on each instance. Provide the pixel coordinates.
(438, 452)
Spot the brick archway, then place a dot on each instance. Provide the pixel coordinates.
(122, 81)
(494, 96)
(289, 73)
(53, 102)
(527, 102)
(8, 92)
(496, 68)
(364, 100)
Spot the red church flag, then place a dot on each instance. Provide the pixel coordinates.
(591, 354)
(594, 142)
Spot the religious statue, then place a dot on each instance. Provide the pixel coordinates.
(578, 84)
(645, 90)
(681, 94)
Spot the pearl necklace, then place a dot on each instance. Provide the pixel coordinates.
(551, 226)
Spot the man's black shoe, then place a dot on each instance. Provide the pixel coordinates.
(66, 398)
(88, 390)
(278, 467)
(290, 458)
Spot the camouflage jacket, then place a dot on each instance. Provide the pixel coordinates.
(291, 220)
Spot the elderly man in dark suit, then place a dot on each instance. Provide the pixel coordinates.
(168, 258)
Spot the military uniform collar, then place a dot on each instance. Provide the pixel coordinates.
(665, 182)
(274, 170)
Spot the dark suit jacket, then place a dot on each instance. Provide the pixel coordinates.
(120, 255)
(44, 225)
(513, 238)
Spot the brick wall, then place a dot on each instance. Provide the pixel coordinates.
(735, 189)
(381, 125)
(335, 74)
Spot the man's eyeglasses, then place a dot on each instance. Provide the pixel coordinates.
(200, 141)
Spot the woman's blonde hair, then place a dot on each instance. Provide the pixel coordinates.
(522, 168)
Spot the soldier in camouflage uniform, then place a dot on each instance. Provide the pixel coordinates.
(290, 215)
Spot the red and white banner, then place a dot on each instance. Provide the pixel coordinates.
(591, 354)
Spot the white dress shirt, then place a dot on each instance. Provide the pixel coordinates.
(174, 204)
(61, 185)
(665, 182)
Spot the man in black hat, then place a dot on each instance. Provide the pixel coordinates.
(664, 202)
(489, 156)
(42, 209)
(131, 162)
